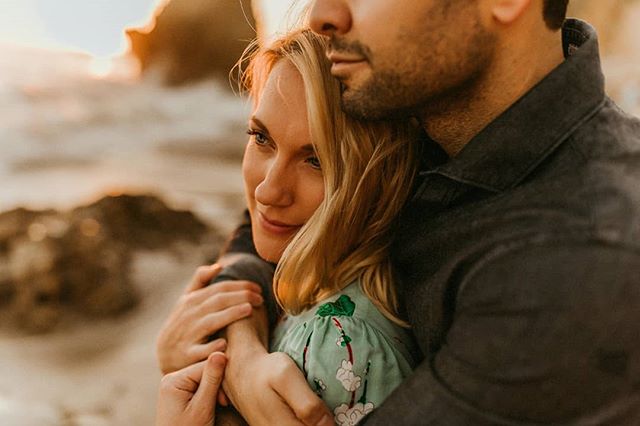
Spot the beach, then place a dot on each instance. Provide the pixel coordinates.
(70, 135)
(69, 138)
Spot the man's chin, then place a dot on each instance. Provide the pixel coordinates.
(360, 107)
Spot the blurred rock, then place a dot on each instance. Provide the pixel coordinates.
(38, 288)
(139, 221)
(194, 39)
(58, 263)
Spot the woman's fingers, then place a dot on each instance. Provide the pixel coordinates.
(213, 322)
(222, 301)
(202, 277)
(222, 398)
(201, 295)
(212, 375)
(201, 352)
(185, 380)
(187, 396)
(291, 385)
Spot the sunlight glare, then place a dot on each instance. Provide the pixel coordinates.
(101, 66)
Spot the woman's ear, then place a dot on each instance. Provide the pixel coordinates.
(507, 11)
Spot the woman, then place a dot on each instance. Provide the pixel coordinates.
(323, 190)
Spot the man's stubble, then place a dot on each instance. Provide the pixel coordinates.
(440, 66)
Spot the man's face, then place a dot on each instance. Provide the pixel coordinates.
(403, 57)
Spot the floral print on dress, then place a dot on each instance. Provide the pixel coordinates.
(350, 416)
(337, 357)
(320, 386)
(347, 377)
(344, 307)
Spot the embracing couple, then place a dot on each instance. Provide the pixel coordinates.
(443, 228)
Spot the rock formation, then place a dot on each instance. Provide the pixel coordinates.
(193, 39)
(53, 263)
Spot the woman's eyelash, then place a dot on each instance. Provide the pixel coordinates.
(315, 162)
(258, 135)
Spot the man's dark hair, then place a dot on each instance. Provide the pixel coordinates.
(554, 13)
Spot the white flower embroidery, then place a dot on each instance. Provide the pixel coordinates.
(345, 416)
(345, 375)
(320, 386)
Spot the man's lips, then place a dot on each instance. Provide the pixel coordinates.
(336, 57)
(274, 226)
(342, 64)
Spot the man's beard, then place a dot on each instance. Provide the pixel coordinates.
(372, 101)
(395, 93)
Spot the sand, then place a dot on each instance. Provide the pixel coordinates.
(103, 373)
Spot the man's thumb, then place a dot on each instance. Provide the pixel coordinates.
(207, 392)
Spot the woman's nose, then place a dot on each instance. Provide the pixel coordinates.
(329, 17)
(276, 189)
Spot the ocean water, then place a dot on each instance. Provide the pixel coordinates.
(67, 136)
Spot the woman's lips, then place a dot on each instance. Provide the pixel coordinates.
(275, 227)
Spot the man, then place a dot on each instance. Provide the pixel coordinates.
(519, 252)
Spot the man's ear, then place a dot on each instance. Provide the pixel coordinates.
(507, 11)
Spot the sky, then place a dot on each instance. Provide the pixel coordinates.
(92, 26)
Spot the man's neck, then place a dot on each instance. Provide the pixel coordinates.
(454, 120)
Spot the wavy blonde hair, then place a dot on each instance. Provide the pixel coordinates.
(368, 171)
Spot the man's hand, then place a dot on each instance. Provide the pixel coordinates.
(269, 388)
(187, 396)
(199, 313)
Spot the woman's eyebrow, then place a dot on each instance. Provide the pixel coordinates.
(308, 148)
(260, 124)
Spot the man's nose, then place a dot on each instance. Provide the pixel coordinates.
(329, 17)
(276, 189)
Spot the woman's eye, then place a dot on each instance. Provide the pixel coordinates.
(314, 162)
(259, 137)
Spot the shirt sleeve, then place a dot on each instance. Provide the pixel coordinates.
(248, 266)
(546, 333)
(241, 240)
(349, 363)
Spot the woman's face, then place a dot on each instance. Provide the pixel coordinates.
(282, 176)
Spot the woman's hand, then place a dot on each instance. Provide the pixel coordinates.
(187, 396)
(201, 312)
(271, 389)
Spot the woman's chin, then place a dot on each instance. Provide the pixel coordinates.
(270, 254)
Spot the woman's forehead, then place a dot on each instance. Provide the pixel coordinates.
(281, 107)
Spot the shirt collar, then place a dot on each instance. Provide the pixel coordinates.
(511, 146)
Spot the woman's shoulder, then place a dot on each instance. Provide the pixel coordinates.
(350, 353)
(349, 313)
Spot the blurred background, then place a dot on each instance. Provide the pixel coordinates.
(120, 147)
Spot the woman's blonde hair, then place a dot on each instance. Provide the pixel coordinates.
(368, 170)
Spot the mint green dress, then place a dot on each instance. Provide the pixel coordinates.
(352, 355)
